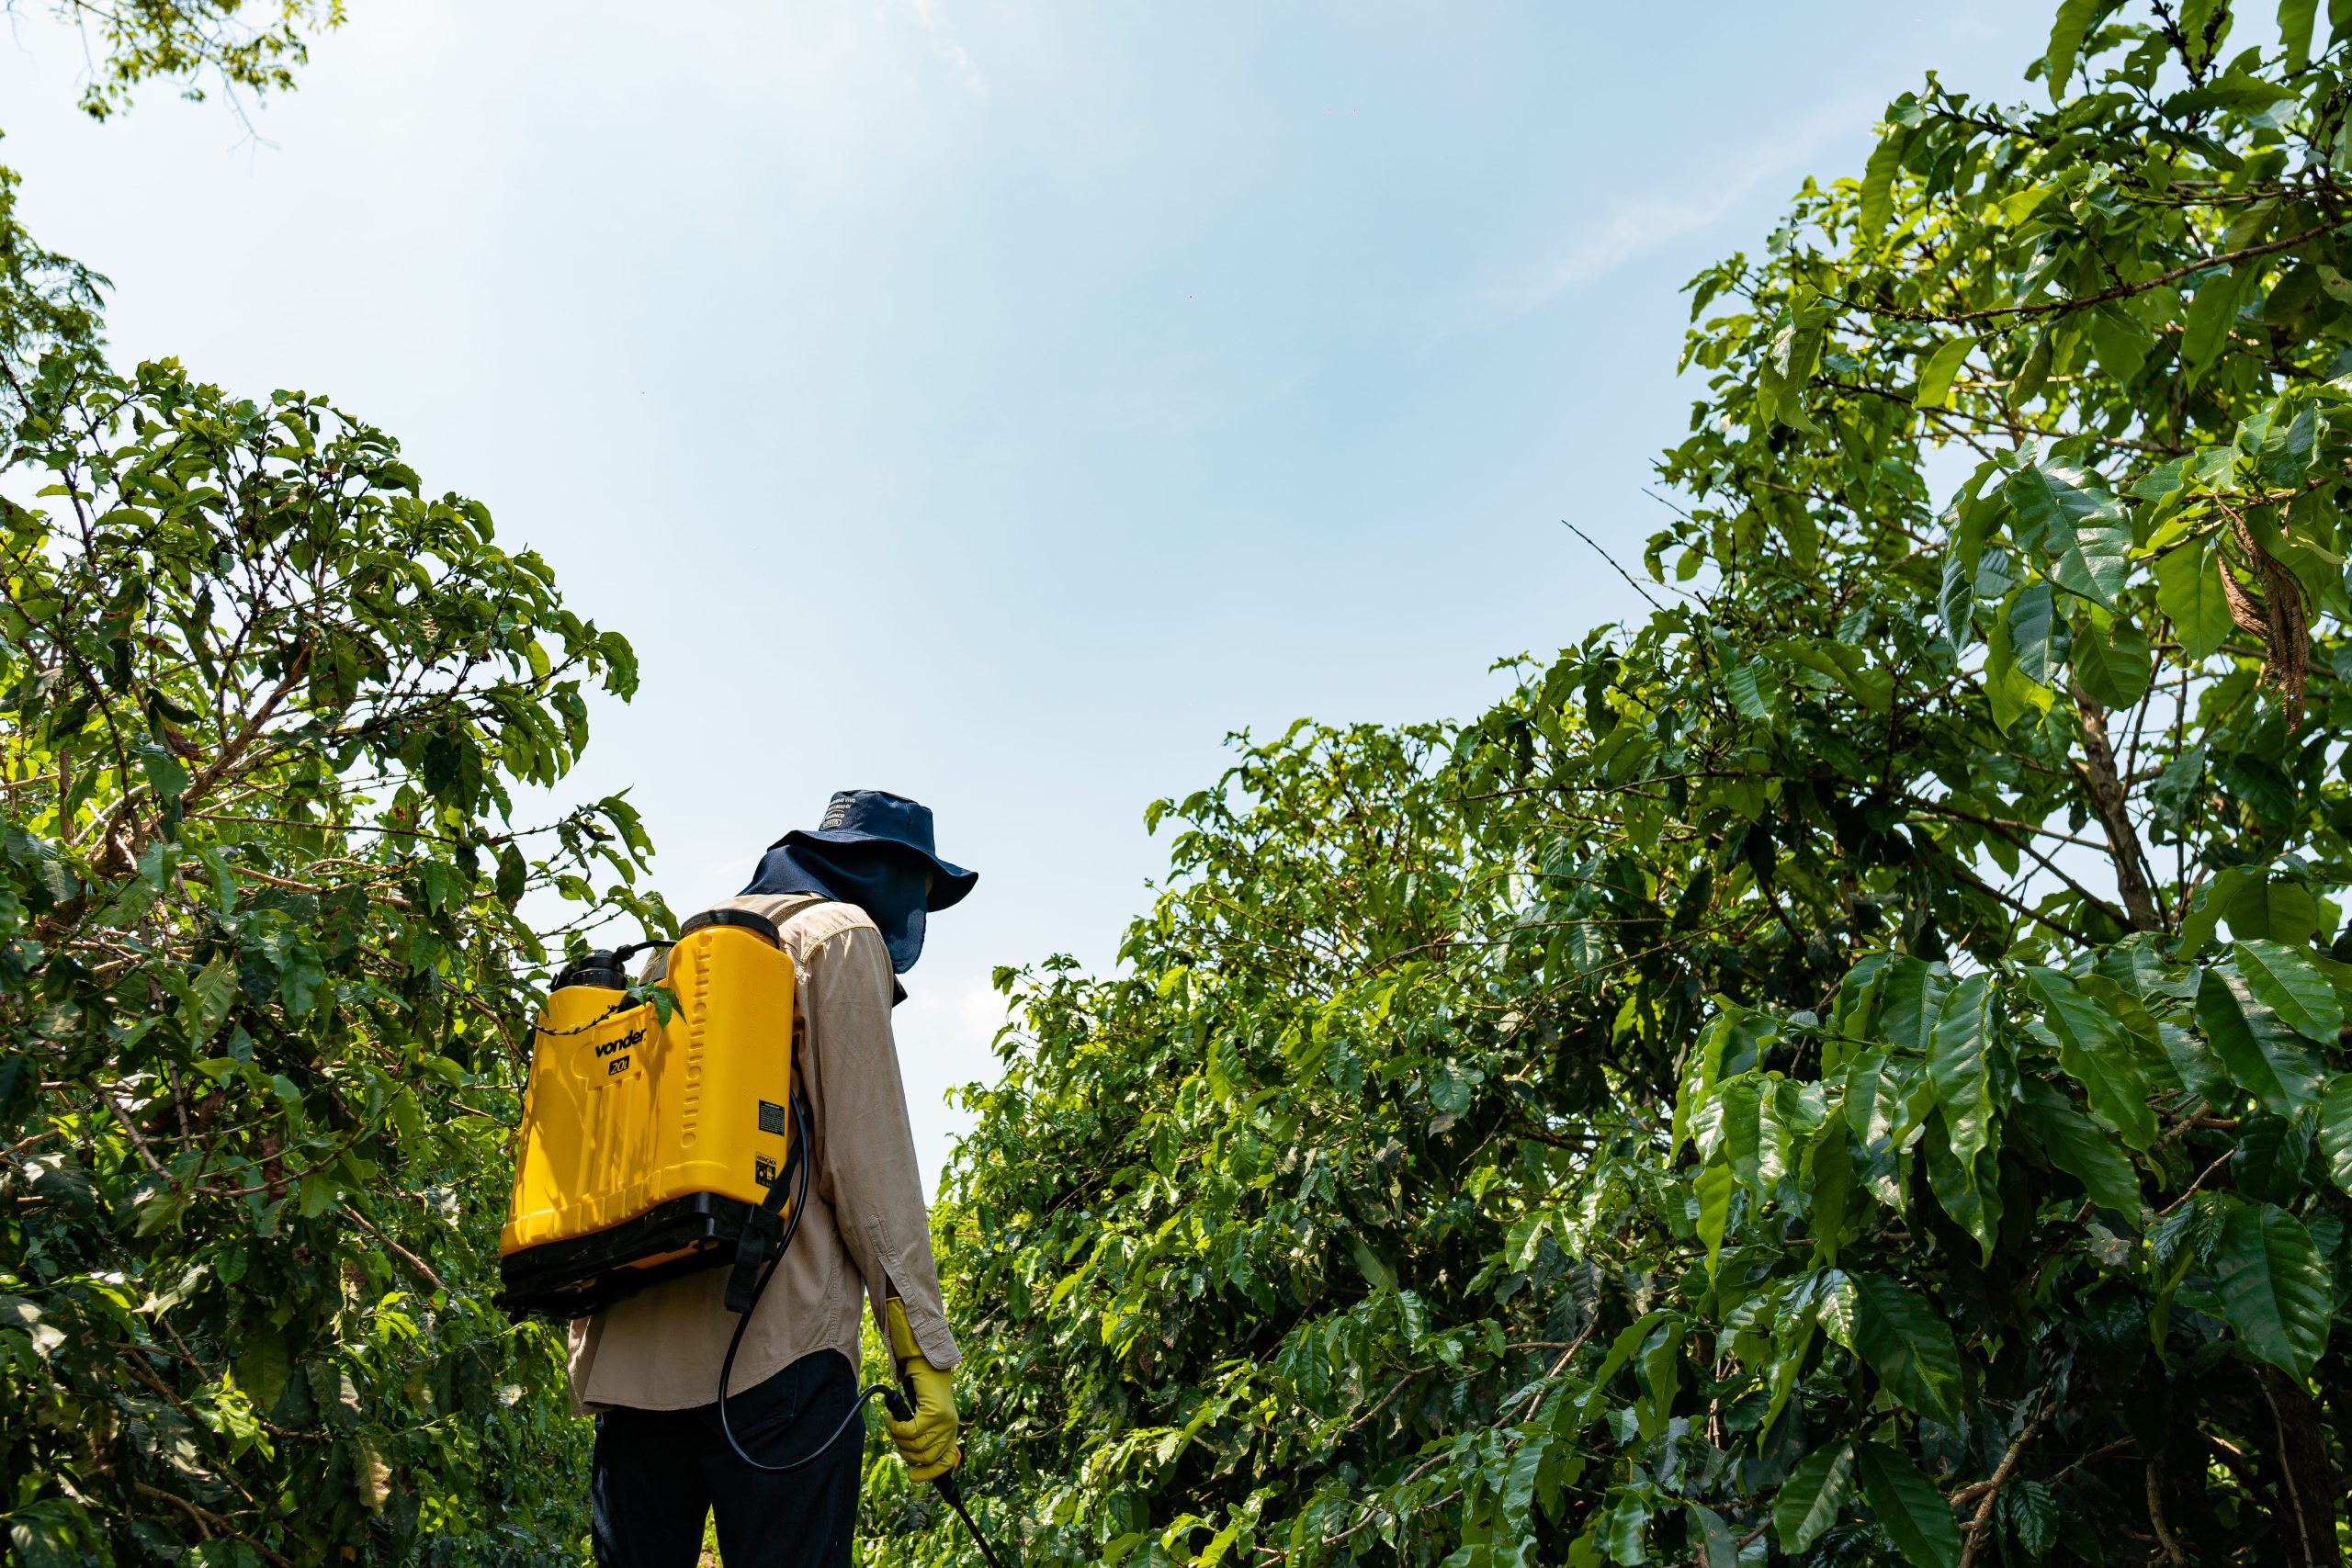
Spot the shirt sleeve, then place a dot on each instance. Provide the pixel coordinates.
(865, 1145)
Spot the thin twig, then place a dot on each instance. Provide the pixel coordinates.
(137, 1142)
(207, 1520)
(2164, 1538)
(1993, 1488)
(1604, 555)
(2191, 1188)
(1557, 1367)
(423, 1270)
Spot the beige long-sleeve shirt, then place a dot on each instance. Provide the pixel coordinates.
(867, 1232)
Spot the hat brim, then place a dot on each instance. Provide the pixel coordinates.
(949, 883)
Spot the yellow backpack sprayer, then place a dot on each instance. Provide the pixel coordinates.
(648, 1150)
(653, 1150)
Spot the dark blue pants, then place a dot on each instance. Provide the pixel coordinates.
(658, 1472)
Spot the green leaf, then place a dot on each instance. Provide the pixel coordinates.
(2259, 905)
(1525, 1476)
(2242, 893)
(2212, 311)
(2121, 343)
(2011, 691)
(2077, 523)
(1956, 598)
(1908, 1346)
(2295, 18)
(1720, 1546)
(2189, 589)
(2034, 639)
(1908, 1507)
(211, 994)
(2284, 458)
(1810, 1497)
(262, 1370)
(1621, 1348)
(2136, 968)
(1785, 373)
(2078, 1147)
(2095, 1053)
(1845, 664)
(1878, 182)
(49, 1533)
(1833, 1186)
(2287, 981)
(2066, 32)
(164, 774)
(2263, 1057)
(1751, 686)
(1714, 1186)
(1973, 1201)
(2198, 1070)
(2030, 1513)
(1742, 1102)
(1873, 1097)
(1622, 1533)
(1938, 372)
(2275, 1287)
(2114, 663)
(2016, 207)
(2133, 1020)
(2335, 1130)
(1958, 1061)
(512, 876)
(1911, 998)
(1377, 1272)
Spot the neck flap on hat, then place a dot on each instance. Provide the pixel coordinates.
(891, 888)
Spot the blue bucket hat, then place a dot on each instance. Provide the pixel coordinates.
(875, 850)
(877, 817)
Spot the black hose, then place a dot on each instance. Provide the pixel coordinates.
(735, 1342)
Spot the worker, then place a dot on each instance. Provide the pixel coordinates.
(849, 901)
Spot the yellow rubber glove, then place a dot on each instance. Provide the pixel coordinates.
(927, 1442)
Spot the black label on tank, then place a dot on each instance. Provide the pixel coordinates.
(771, 1117)
(763, 1171)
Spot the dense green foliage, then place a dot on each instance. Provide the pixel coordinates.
(265, 706)
(1848, 1069)
(261, 970)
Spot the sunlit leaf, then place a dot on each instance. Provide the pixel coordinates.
(2262, 1055)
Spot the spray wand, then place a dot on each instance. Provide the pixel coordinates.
(901, 1403)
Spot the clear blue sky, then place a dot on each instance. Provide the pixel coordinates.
(997, 403)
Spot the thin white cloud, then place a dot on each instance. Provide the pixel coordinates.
(1637, 227)
(932, 17)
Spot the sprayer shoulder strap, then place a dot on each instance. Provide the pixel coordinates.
(763, 1226)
